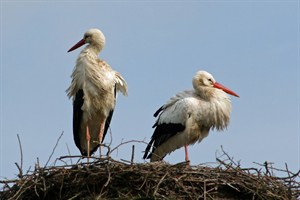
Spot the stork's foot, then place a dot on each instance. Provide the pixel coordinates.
(187, 165)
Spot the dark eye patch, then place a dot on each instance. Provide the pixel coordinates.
(86, 36)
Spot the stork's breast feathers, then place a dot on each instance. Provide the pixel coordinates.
(98, 81)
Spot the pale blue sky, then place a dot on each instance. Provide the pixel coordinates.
(252, 47)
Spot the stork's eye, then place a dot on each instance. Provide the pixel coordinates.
(210, 80)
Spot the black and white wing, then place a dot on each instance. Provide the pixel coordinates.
(171, 120)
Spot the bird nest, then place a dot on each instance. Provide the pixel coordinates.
(106, 178)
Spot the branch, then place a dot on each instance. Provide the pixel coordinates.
(54, 148)
(20, 175)
(130, 141)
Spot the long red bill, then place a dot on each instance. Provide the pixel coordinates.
(79, 44)
(225, 89)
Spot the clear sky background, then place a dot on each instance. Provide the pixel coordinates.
(252, 47)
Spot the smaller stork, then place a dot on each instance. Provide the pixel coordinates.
(93, 89)
(188, 116)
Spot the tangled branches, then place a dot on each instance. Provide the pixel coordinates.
(106, 178)
(109, 179)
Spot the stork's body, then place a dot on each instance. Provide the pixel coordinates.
(93, 88)
(188, 116)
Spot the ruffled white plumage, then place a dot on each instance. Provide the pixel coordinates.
(93, 89)
(191, 113)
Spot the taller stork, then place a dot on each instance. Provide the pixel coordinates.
(188, 116)
(93, 89)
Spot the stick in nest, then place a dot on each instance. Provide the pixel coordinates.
(53, 150)
(20, 168)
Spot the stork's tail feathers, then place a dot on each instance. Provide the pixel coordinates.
(121, 84)
(146, 155)
(158, 111)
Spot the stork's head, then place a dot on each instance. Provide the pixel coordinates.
(205, 81)
(94, 37)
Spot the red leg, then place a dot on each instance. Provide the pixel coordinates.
(88, 138)
(186, 154)
(101, 135)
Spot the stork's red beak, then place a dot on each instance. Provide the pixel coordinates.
(79, 44)
(225, 89)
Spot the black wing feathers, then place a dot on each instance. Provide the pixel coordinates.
(161, 134)
(165, 131)
(77, 117)
(158, 111)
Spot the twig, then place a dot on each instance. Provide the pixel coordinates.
(69, 156)
(160, 181)
(8, 181)
(108, 178)
(267, 168)
(204, 190)
(69, 152)
(19, 192)
(126, 161)
(37, 165)
(228, 157)
(132, 154)
(130, 141)
(54, 148)
(20, 175)
(75, 196)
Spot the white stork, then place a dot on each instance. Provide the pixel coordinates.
(93, 89)
(188, 116)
